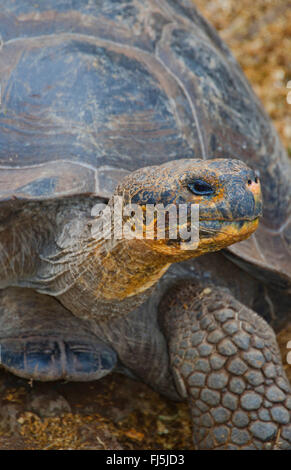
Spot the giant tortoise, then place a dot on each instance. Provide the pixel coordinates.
(140, 101)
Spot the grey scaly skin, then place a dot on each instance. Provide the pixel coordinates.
(144, 99)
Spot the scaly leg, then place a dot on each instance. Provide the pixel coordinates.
(226, 362)
(40, 339)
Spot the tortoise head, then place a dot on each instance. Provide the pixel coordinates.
(190, 207)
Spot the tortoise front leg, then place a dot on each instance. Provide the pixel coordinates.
(226, 361)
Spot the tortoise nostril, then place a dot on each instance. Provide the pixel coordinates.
(256, 180)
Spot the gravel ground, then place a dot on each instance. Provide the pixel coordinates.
(118, 413)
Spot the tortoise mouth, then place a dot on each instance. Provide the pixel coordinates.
(208, 228)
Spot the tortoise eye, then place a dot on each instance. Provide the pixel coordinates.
(200, 188)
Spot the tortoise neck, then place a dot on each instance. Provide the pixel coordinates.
(116, 278)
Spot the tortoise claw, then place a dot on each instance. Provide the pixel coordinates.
(48, 359)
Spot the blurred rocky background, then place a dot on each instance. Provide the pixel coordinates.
(116, 412)
(258, 32)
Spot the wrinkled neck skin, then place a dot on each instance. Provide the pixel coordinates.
(116, 277)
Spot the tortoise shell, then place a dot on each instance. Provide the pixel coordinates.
(91, 91)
